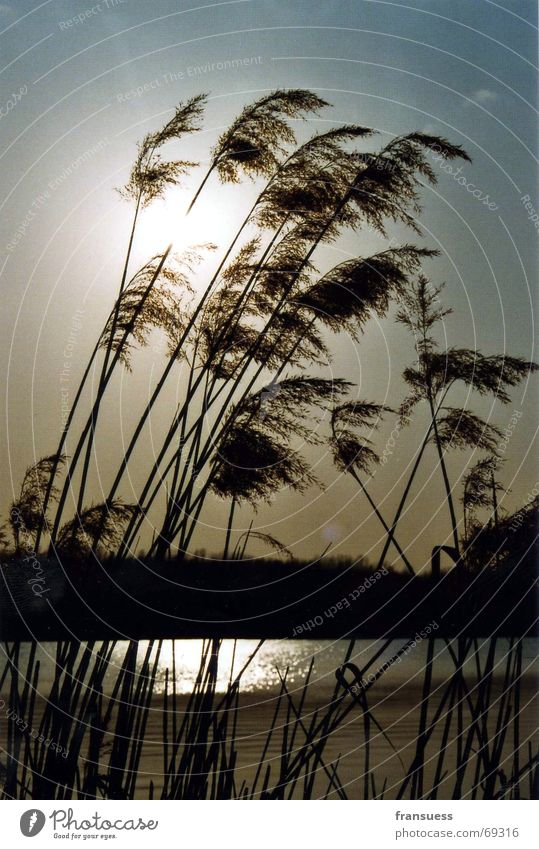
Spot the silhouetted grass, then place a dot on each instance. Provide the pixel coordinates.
(265, 310)
(102, 730)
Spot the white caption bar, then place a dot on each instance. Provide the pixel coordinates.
(266, 825)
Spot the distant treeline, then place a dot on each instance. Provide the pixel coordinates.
(44, 599)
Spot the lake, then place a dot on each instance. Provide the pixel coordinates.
(394, 700)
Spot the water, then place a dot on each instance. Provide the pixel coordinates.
(276, 658)
(395, 702)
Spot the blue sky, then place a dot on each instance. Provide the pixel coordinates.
(88, 80)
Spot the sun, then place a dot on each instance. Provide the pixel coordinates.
(167, 221)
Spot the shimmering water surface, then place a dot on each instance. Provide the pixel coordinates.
(276, 658)
(395, 699)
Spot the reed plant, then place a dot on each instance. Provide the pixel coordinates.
(88, 734)
(264, 313)
(247, 341)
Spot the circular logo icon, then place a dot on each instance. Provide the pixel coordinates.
(32, 822)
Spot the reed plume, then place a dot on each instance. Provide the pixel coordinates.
(28, 510)
(97, 527)
(480, 489)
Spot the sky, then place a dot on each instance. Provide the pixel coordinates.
(83, 82)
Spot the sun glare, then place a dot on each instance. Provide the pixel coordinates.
(167, 221)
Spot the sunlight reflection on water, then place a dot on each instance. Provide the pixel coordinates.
(277, 658)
